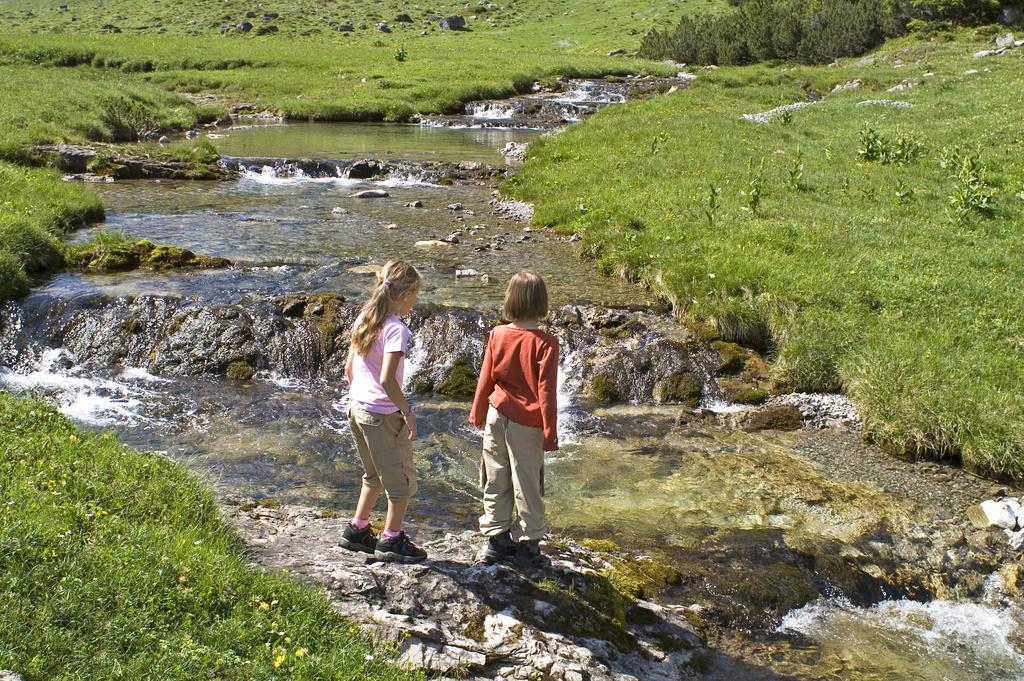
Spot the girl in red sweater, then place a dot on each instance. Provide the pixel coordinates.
(517, 406)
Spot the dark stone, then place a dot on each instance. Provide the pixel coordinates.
(617, 53)
(403, 19)
(270, 16)
(345, 27)
(244, 27)
(250, 14)
(777, 417)
(383, 27)
(363, 170)
(267, 30)
(452, 23)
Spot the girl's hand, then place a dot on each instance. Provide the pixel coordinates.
(410, 423)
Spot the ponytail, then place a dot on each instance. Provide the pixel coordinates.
(394, 280)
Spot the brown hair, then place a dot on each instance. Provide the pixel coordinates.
(394, 280)
(525, 298)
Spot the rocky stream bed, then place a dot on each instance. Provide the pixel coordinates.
(703, 526)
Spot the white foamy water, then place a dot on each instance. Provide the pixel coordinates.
(406, 180)
(270, 175)
(935, 641)
(570, 380)
(493, 111)
(96, 401)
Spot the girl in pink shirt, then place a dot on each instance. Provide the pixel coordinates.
(381, 419)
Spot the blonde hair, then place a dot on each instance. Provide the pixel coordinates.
(525, 298)
(394, 280)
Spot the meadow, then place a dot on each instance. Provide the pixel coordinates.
(869, 248)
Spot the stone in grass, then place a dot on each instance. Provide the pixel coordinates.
(432, 243)
(680, 387)
(776, 417)
(414, 204)
(456, 23)
(455, 206)
(371, 194)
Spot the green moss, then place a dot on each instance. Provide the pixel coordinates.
(750, 396)
(167, 257)
(240, 370)
(209, 262)
(681, 387)
(595, 609)
(474, 627)
(642, 578)
(733, 357)
(600, 545)
(460, 381)
(603, 389)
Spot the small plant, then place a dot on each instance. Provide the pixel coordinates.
(786, 117)
(795, 173)
(972, 194)
(755, 183)
(902, 192)
(712, 203)
(401, 54)
(874, 148)
(658, 141)
(870, 148)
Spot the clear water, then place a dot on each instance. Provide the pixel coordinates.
(715, 503)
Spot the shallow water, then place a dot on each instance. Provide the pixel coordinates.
(737, 513)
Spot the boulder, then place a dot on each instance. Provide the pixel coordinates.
(1004, 40)
(456, 23)
(403, 19)
(993, 513)
(371, 194)
(244, 27)
(364, 170)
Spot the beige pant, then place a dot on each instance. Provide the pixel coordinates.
(512, 476)
(385, 450)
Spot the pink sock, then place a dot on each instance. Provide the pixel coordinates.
(391, 534)
(359, 523)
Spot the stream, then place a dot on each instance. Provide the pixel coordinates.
(804, 555)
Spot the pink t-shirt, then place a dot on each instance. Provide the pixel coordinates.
(366, 388)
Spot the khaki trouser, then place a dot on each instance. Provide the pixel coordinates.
(512, 476)
(385, 450)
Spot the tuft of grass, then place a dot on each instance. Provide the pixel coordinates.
(909, 306)
(115, 563)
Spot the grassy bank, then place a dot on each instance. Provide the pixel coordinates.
(869, 248)
(37, 209)
(115, 564)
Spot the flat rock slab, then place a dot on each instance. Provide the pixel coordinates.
(452, 613)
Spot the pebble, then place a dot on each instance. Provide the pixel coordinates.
(459, 274)
(455, 206)
(391, 226)
(414, 204)
(338, 210)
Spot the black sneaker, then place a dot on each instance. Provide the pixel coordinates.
(355, 539)
(499, 547)
(399, 549)
(528, 553)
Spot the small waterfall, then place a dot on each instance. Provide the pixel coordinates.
(491, 110)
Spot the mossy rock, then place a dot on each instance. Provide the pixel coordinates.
(776, 588)
(168, 257)
(680, 387)
(750, 396)
(460, 381)
(600, 545)
(474, 627)
(778, 417)
(734, 358)
(241, 370)
(209, 262)
(642, 578)
(114, 260)
(422, 383)
(603, 388)
(590, 607)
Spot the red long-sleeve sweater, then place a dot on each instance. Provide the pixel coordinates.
(519, 378)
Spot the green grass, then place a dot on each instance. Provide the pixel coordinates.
(855, 275)
(37, 209)
(115, 564)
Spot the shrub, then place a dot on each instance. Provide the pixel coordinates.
(809, 31)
